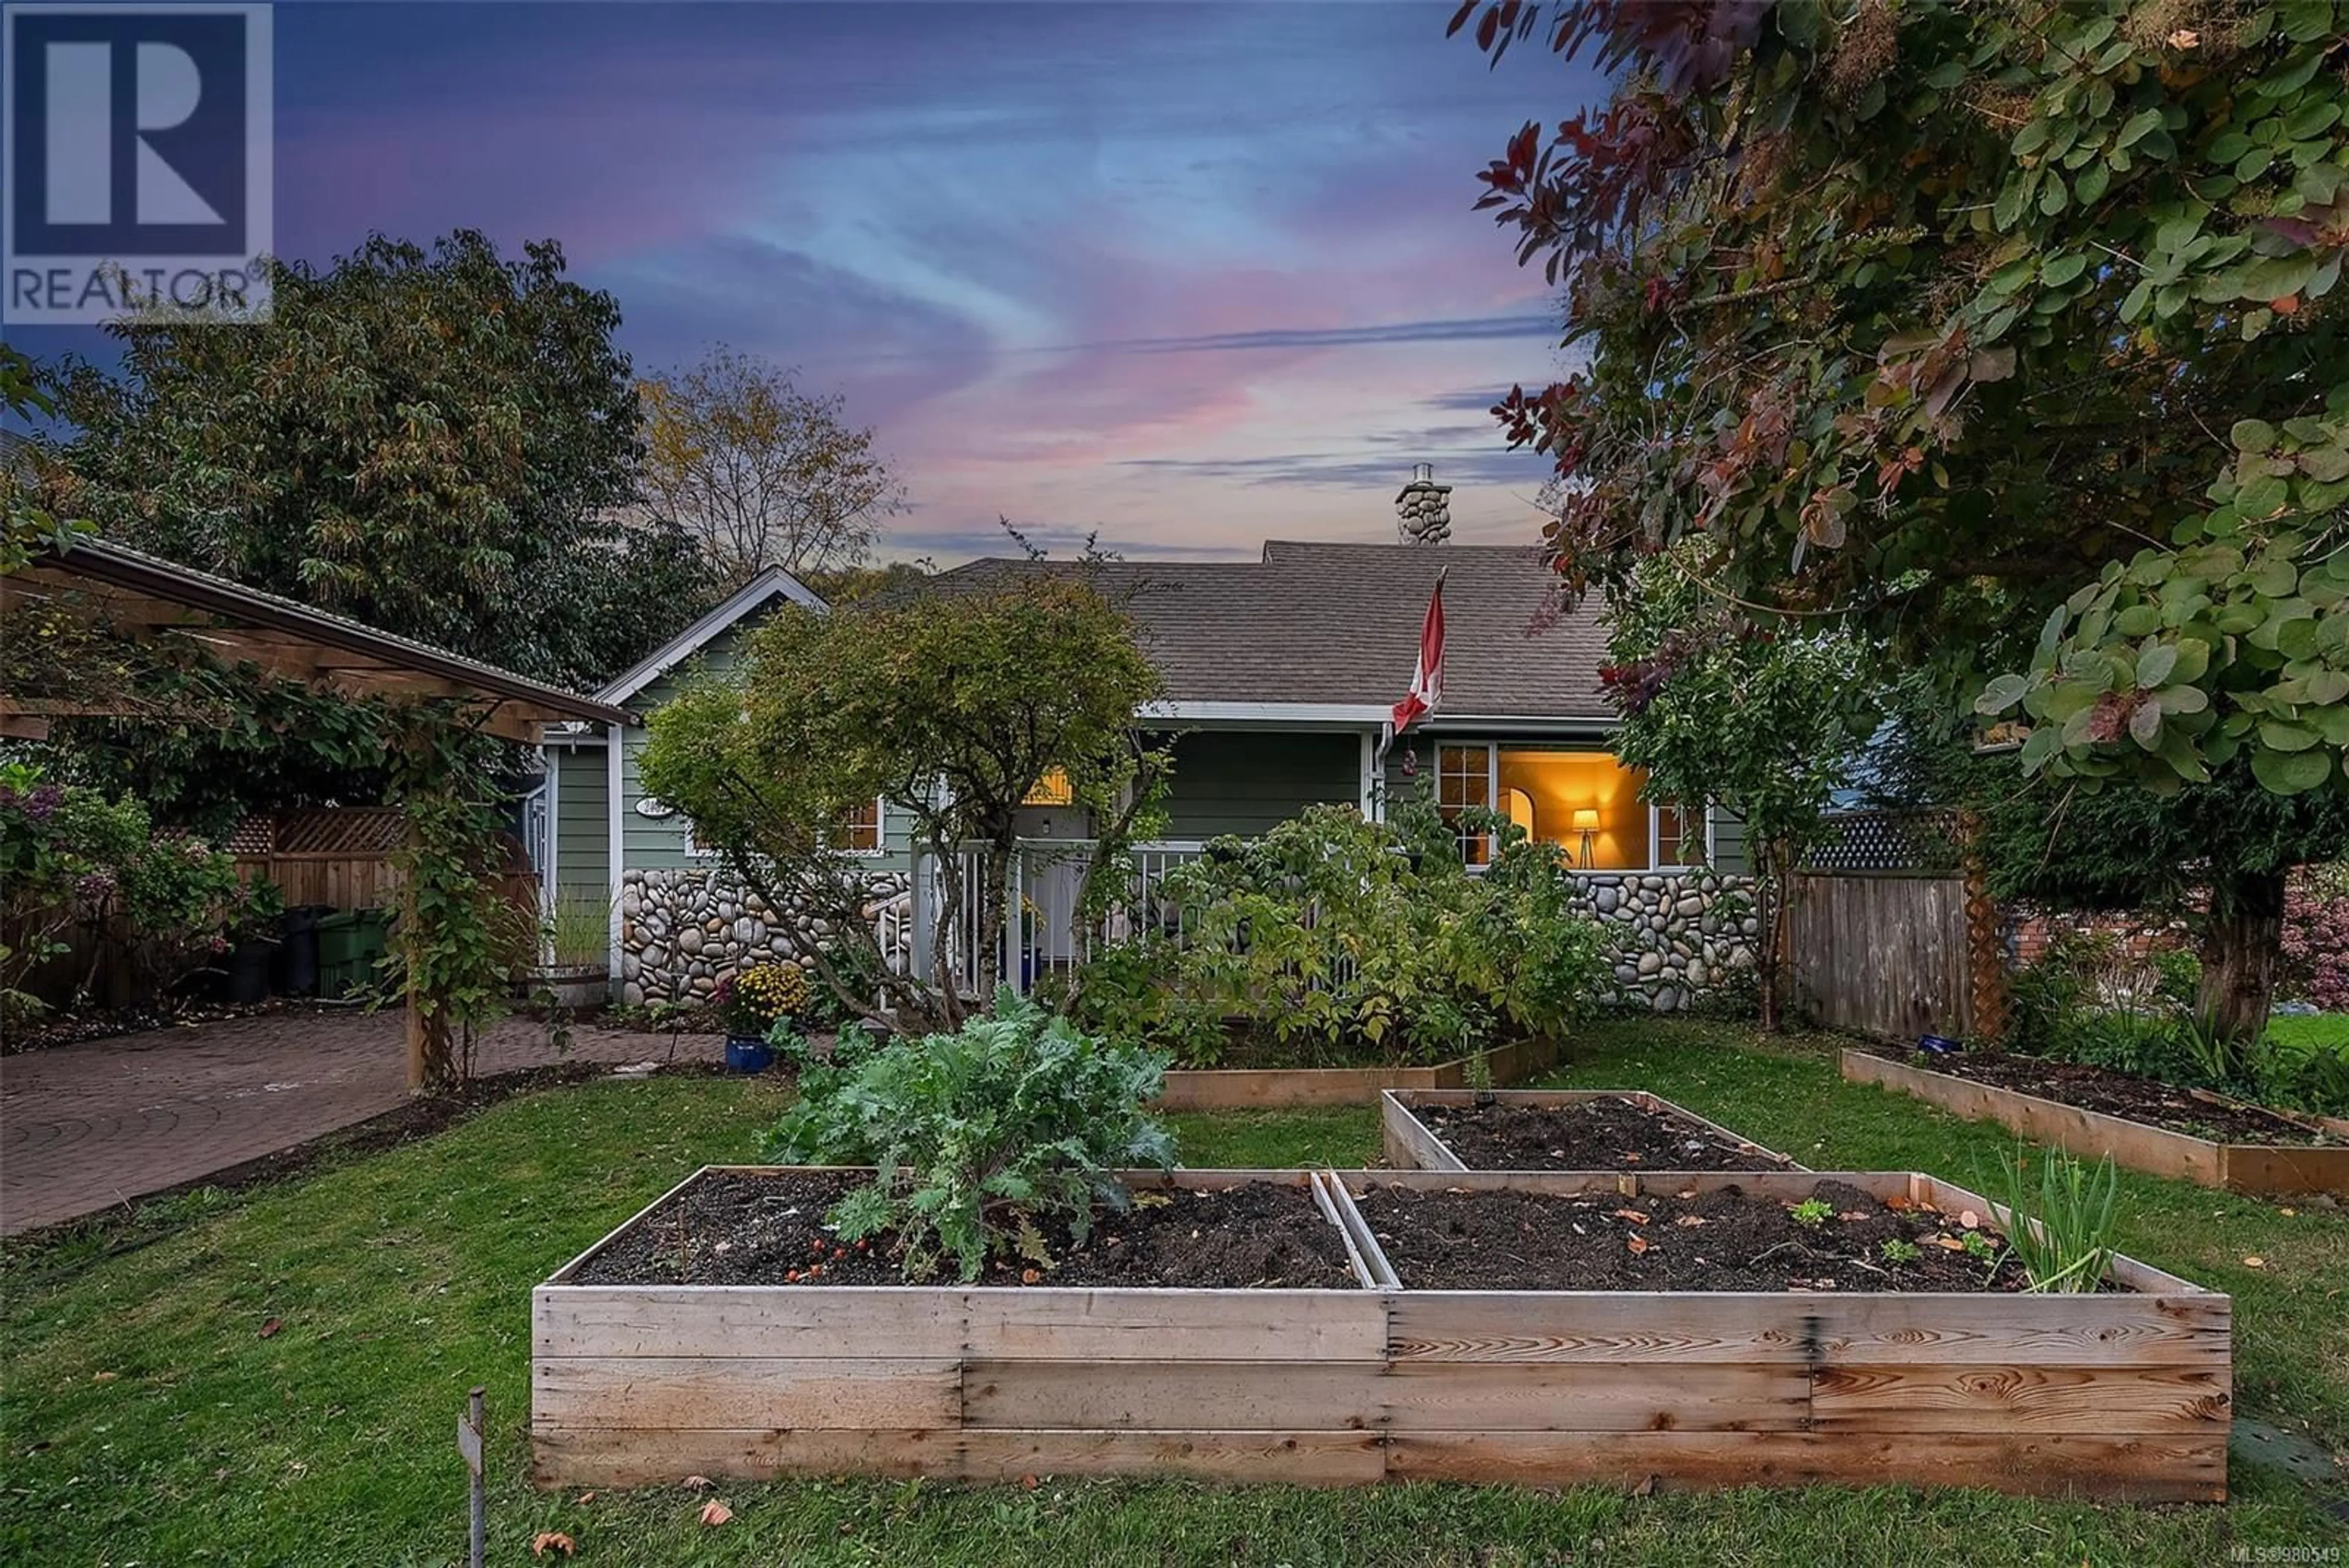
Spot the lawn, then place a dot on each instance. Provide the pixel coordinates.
(274, 1379)
(2311, 1031)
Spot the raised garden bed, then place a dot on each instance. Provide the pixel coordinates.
(2248, 1154)
(2123, 1394)
(1273, 1088)
(1558, 1129)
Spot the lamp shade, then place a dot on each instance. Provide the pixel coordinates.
(1586, 818)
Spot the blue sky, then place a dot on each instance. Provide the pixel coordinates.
(1194, 276)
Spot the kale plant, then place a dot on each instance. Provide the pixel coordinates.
(982, 1137)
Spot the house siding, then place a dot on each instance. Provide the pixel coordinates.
(665, 843)
(1247, 781)
(582, 832)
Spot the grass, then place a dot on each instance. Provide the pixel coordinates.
(2311, 1031)
(153, 1415)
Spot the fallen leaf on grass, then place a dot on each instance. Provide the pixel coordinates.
(1636, 1243)
(715, 1513)
(2255, 1261)
(104, 1377)
(271, 1327)
(696, 1483)
(584, 1497)
(1646, 1488)
(547, 1541)
(1028, 1484)
(2287, 1213)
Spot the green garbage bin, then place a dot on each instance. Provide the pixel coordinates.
(350, 944)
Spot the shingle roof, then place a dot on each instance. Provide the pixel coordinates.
(1340, 623)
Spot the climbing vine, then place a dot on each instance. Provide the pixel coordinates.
(460, 936)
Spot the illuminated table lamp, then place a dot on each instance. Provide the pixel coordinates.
(1586, 821)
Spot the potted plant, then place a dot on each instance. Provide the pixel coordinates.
(751, 1001)
(575, 939)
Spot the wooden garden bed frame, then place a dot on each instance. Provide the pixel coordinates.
(2119, 1396)
(1411, 1144)
(2248, 1168)
(1275, 1088)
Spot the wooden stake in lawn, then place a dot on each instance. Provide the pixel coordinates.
(469, 1444)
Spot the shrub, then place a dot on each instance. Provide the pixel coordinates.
(70, 854)
(1341, 937)
(859, 967)
(982, 1137)
(2315, 966)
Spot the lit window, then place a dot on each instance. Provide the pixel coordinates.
(1463, 779)
(1587, 802)
(860, 830)
(1052, 789)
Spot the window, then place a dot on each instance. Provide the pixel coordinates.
(1463, 779)
(860, 830)
(1052, 789)
(860, 833)
(1679, 835)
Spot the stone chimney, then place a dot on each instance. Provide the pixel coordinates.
(1423, 508)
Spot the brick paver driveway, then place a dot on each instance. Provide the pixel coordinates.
(84, 1126)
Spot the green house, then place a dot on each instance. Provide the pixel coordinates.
(1280, 677)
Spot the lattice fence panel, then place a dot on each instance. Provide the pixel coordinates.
(1918, 841)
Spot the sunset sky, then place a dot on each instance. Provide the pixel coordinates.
(1194, 276)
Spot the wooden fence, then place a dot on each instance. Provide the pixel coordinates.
(1879, 953)
(339, 856)
(1891, 931)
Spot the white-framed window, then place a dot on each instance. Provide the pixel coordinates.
(863, 831)
(1463, 779)
(1582, 799)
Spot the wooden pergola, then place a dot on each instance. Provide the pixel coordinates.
(145, 598)
(105, 585)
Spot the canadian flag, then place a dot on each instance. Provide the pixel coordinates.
(1427, 678)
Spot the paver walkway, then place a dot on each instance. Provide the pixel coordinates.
(85, 1126)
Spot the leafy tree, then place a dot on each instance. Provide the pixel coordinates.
(30, 526)
(759, 474)
(1717, 707)
(437, 443)
(1969, 321)
(2217, 853)
(953, 707)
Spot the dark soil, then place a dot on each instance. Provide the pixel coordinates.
(737, 1228)
(1611, 1133)
(1727, 1240)
(2101, 1089)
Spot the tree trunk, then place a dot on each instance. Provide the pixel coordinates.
(2240, 937)
(1769, 942)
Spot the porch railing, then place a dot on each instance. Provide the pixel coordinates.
(1037, 933)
